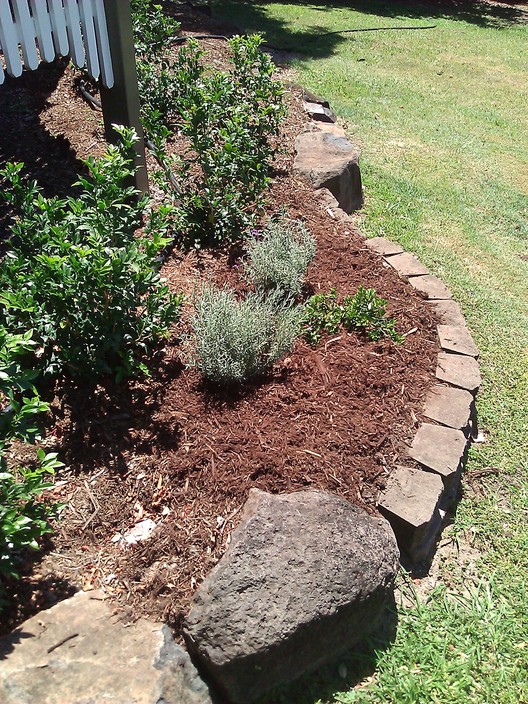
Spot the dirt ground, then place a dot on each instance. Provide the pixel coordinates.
(184, 455)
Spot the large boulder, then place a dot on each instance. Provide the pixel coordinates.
(306, 576)
(78, 652)
(327, 159)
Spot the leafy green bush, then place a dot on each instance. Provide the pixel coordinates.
(229, 119)
(20, 402)
(279, 258)
(24, 519)
(236, 340)
(322, 314)
(153, 28)
(80, 278)
(365, 311)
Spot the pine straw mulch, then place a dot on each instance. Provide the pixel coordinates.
(176, 451)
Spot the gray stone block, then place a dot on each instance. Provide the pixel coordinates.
(382, 246)
(459, 370)
(319, 112)
(431, 286)
(456, 338)
(330, 161)
(441, 450)
(78, 652)
(448, 312)
(305, 577)
(411, 504)
(450, 406)
(407, 264)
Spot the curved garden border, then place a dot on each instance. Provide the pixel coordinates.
(418, 496)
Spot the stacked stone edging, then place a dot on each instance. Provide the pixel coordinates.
(413, 502)
(417, 497)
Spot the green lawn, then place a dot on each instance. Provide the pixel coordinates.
(442, 118)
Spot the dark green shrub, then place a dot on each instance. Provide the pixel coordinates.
(153, 28)
(23, 517)
(79, 276)
(229, 119)
(236, 340)
(279, 257)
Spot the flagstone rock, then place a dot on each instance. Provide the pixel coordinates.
(455, 338)
(330, 161)
(407, 264)
(450, 406)
(306, 576)
(441, 450)
(431, 286)
(448, 312)
(382, 246)
(459, 370)
(411, 503)
(319, 113)
(78, 652)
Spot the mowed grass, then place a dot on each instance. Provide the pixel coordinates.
(442, 119)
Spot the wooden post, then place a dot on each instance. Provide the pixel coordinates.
(121, 102)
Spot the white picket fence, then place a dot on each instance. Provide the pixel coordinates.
(42, 30)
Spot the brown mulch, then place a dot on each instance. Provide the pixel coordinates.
(174, 450)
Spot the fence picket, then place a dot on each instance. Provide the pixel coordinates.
(103, 42)
(73, 27)
(58, 24)
(26, 33)
(45, 29)
(9, 41)
(90, 42)
(42, 22)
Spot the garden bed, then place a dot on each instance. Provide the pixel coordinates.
(179, 452)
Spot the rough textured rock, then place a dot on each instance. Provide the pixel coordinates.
(79, 653)
(382, 246)
(330, 161)
(448, 312)
(407, 264)
(310, 97)
(450, 406)
(459, 370)
(319, 112)
(431, 286)
(456, 338)
(411, 504)
(305, 577)
(441, 450)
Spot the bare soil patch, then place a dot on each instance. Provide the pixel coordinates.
(171, 448)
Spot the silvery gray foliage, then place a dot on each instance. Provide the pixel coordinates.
(280, 257)
(237, 339)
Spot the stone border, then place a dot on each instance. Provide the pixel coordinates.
(418, 496)
(416, 499)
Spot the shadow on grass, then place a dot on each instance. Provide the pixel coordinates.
(342, 673)
(317, 42)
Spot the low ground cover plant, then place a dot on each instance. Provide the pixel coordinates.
(238, 339)
(279, 256)
(365, 311)
(79, 276)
